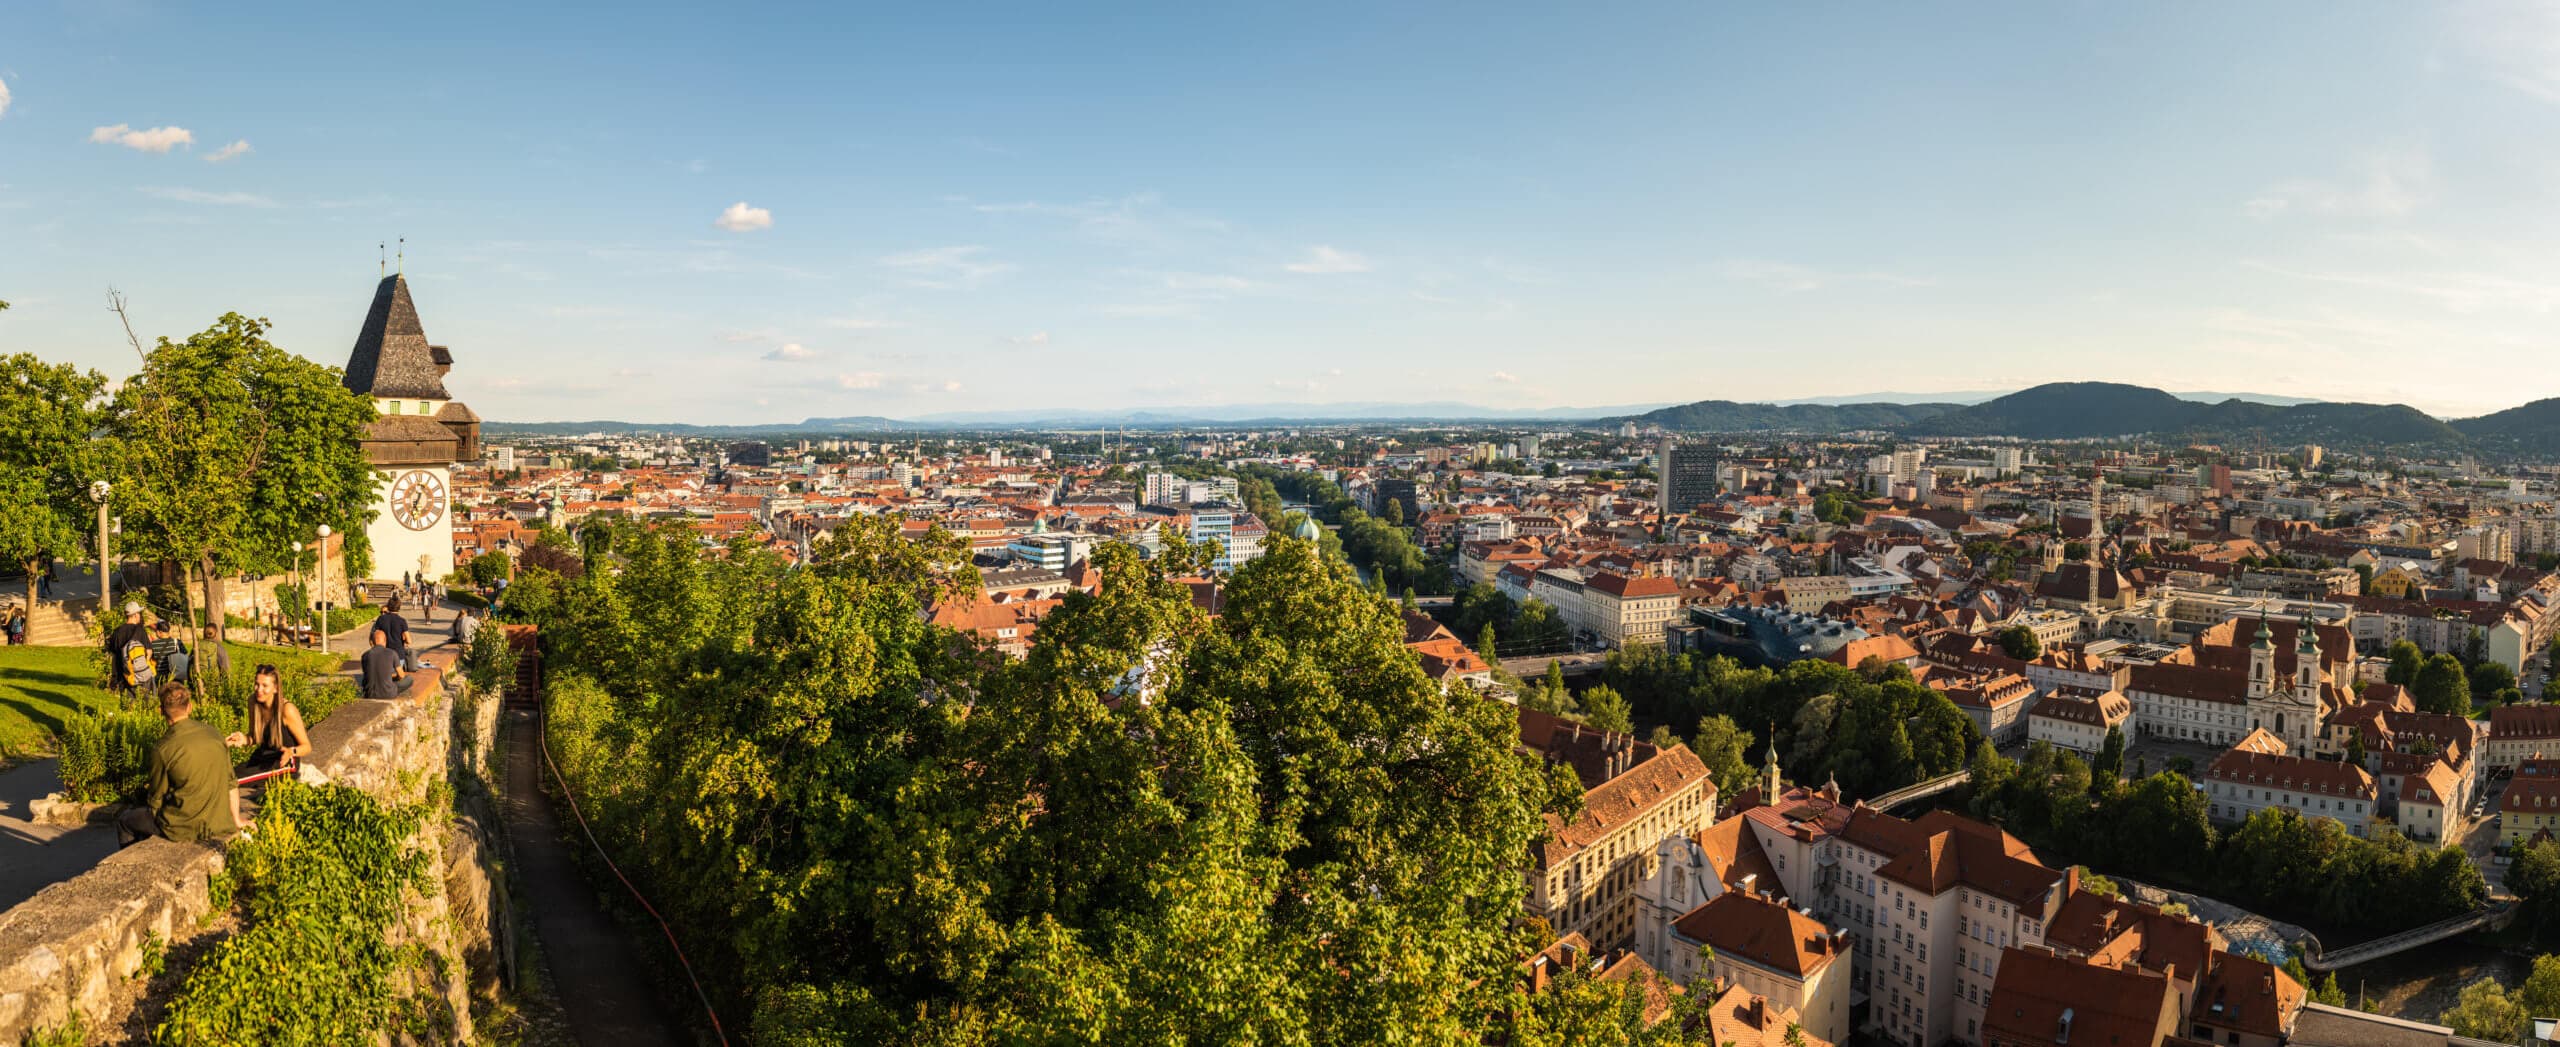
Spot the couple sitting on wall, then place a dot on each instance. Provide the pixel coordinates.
(194, 791)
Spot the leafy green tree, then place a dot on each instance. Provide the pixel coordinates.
(2019, 642)
(1540, 629)
(2488, 678)
(2355, 748)
(1720, 744)
(2442, 687)
(234, 453)
(2328, 991)
(1485, 647)
(1607, 710)
(48, 417)
(1394, 513)
(2405, 658)
(2108, 768)
(489, 568)
(2485, 1011)
(2534, 874)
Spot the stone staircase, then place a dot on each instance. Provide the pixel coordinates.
(57, 624)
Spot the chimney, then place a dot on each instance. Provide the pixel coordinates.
(2064, 1036)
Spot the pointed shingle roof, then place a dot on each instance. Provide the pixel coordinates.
(392, 357)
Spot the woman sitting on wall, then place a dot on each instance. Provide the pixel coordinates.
(276, 727)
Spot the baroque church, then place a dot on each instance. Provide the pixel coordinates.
(420, 433)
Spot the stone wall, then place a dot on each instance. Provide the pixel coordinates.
(66, 952)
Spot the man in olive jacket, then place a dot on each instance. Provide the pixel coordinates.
(192, 795)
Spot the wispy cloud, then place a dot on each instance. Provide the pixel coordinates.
(237, 149)
(2461, 292)
(791, 353)
(761, 334)
(152, 140)
(1324, 259)
(4, 97)
(184, 195)
(2380, 185)
(860, 323)
(1215, 282)
(860, 380)
(1137, 220)
(965, 265)
(1788, 276)
(2516, 42)
(1505, 376)
(740, 218)
(1034, 338)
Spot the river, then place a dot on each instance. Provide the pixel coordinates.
(2422, 983)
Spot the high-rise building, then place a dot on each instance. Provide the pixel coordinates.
(1688, 476)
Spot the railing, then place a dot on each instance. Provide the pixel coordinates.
(2318, 959)
(1921, 790)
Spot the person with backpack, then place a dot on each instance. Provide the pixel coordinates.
(175, 661)
(130, 666)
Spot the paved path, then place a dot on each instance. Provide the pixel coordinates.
(32, 856)
(609, 999)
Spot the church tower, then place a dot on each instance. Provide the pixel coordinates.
(2262, 662)
(1769, 787)
(2306, 661)
(419, 433)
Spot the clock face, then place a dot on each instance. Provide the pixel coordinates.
(417, 499)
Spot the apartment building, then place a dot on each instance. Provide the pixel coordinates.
(1587, 874)
(2521, 732)
(2078, 721)
(1997, 702)
(2259, 773)
(1774, 952)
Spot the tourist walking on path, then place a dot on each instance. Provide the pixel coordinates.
(124, 674)
(191, 796)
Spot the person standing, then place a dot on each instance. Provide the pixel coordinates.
(191, 795)
(395, 630)
(170, 653)
(123, 672)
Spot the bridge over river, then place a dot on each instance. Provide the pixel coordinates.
(2488, 917)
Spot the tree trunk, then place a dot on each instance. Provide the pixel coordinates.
(213, 615)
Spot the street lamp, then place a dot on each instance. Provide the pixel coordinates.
(322, 626)
(106, 589)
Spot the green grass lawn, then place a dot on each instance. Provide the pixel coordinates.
(41, 686)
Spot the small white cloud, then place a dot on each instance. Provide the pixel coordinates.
(4, 98)
(1323, 259)
(184, 195)
(952, 386)
(1505, 376)
(1034, 338)
(236, 149)
(740, 218)
(859, 380)
(2382, 185)
(792, 352)
(947, 267)
(153, 140)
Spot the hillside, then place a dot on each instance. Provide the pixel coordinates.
(2531, 429)
(2067, 410)
(1728, 416)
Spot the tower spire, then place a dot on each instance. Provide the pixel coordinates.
(1769, 790)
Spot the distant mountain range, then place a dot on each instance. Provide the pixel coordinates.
(2057, 411)
(2078, 410)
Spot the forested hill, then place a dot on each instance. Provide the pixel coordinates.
(2079, 410)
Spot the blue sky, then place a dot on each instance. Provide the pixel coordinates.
(1084, 206)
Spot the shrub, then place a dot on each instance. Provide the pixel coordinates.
(108, 758)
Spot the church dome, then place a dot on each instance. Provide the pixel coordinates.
(1307, 530)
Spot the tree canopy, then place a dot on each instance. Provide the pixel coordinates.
(1159, 827)
(49, 417)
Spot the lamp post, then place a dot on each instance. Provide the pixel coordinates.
(106, 587)
(322, 626)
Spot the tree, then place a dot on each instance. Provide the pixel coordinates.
(2020, 642)
(2535, 877)
(1485, 645)
(1720, 744)
(2442, 687)
(1607, 710)
(489, 568)
(2328, 991)
(2487, 678)
(2108, 768)
(2405, 658)
(1395, 513)
(2485, 1011)
(2355, 748)
(234, 452)
(48, 417)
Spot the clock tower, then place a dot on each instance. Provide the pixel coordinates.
(416, 436)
